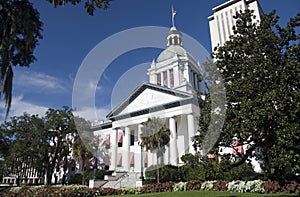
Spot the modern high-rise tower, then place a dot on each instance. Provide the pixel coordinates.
(222, 21)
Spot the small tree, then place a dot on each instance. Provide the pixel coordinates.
(154, 137)
(82, 143)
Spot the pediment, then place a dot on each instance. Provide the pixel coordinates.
(148, 96)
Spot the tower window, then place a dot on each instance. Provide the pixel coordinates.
(171, 78)
(175, 40)
(165, 78)
(158, 79)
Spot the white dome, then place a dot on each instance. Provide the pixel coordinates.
(171, 51)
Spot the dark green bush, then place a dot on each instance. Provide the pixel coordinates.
(89, 174)
(76, 179)
(166, 173)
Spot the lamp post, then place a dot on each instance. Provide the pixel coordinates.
(142, 162)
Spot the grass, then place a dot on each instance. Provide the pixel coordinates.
(208, 194)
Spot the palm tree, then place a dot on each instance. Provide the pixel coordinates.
(80, 152)
(82, 143)
(154, 137)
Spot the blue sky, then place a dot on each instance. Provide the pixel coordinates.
(70, 34)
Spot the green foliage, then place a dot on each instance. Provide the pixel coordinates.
(260, 67)
(89, 174)
(192, 170)
(82, 142)
(76, 179)
(27, 145)
(155, 135)
(38, 143)
(90, 5)
(167, 173)
(196, 168)
(20, 31)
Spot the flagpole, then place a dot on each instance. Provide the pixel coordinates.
(172, 16)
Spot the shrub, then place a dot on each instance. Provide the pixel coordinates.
(130, 190)
(271, 187)
(89, 174)
(193, 185)
(166, 173)
(207, 185)
(236, 186)
(52, 191)
(181, 186)
(76, 179)
(220, 185)
(158, 187)
(254, 186)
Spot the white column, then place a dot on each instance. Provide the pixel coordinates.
(113, 146)
(140, 126)
(191, 132)
(126, 148)
(173, 147)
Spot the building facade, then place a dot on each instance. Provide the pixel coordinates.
(171, 94)
(222, 20)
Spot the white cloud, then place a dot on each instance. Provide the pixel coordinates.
(19, 106)
(38, 81)
(92, 114)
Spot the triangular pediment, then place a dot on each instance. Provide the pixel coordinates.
(148, 96)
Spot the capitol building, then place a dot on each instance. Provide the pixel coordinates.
(171, 94)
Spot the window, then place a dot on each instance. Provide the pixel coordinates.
(195, 80)
(158, 79)
(131, 138)
(171, 78)
(175, 40)
(120, 139)
(170, 41)
(165, 78)
(131, 159)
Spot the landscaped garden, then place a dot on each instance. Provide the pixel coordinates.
(191, 188)
(209, 194)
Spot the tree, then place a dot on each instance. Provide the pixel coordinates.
(61, 128)
(261, 70)
(26, 153)
(81, 150)
(154, 137)
(20, 32)
(37, 146)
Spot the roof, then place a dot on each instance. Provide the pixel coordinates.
(183, 98)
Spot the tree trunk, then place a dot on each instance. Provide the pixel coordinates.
(157, 168)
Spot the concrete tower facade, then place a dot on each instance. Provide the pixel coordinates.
(222, 21)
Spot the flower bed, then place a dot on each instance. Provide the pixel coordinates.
(256, 186)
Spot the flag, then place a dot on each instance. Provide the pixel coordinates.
(174, 12)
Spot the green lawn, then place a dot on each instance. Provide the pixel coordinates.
(208, 194)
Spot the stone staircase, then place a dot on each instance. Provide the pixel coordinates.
(122, 179)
